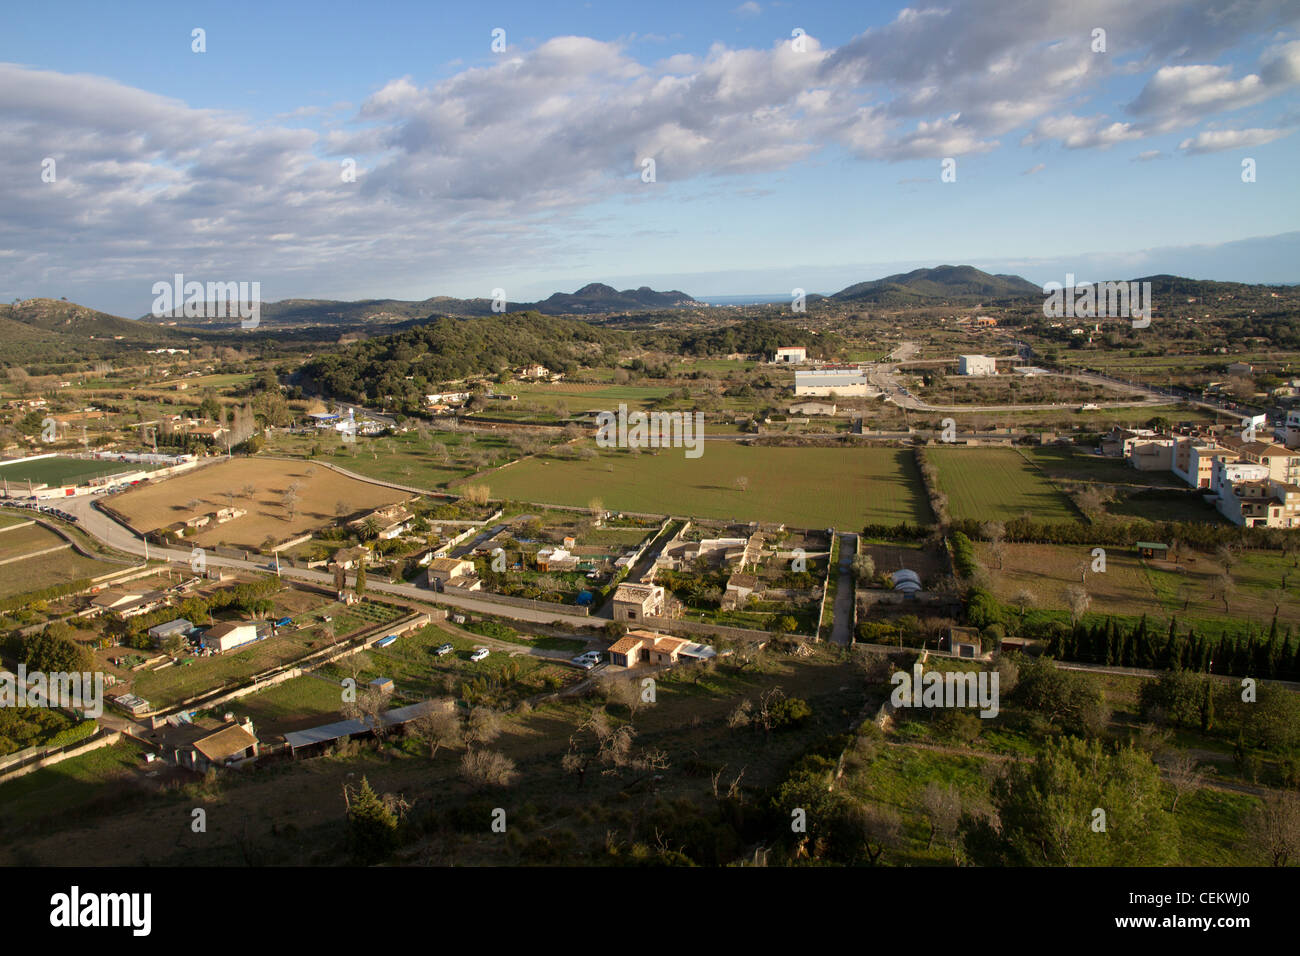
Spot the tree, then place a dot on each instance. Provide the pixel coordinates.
(372, 822)
(1181, 775)
(487, 768)
(482, 726)
(1273, 827)
(1078, 601)
(1047, 808)
(742, 483)
(863, 567)
(942, 807)
(359, 585)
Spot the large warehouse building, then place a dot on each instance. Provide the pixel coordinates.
(831, 379)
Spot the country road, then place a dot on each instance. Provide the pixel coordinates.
(100, 526)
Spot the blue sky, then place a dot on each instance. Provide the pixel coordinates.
(778, 162)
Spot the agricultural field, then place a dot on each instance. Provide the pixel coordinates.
(1132, 586)
(50, 570)
(430, 459)
(1071, 464)
(16, 542)
(259, 485)
(64, 471)
(997, 484)
(803, 487)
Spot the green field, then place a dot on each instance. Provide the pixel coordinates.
(804, 487)
(49, 570)
(63, 471)
(997, 484)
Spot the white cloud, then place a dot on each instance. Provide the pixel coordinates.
(1214, 141)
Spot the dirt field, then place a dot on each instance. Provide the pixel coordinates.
(320, 493)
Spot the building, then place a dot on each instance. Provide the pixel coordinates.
(1151, 454)
(447, 398)
(646, 647)
(1152, 549)
(976, 365)
(159, 633)
(827, 380)
(739, 589)
(791, 355)
(635, 602)
(443, 571)
(1283, 463)
(1228, 473)
(556, 559)
(1240, 368)
(985, 322)
(535, 371)
(813, 408)
(391, 521)
(349, 558)
(229, 635)
(1260, 503)
(963, 642)
(1193, 460)
(1118, 442)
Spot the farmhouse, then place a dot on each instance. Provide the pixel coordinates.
(739, 589)
(229, 635)
(962, 642)
(645, 647)
(976, 365)
(556, 559)
(634, 602)
(791, 355)
(391, 521)
(349, 558)
(534, 371)
(831, 380)
(444, 571)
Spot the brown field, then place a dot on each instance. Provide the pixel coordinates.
(320, 491)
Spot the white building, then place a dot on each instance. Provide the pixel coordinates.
(831, 380)
(791, 355)
(976, 365)
(230, 635)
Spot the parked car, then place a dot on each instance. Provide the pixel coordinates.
(479, 654)
(443, 649)
(583, 661)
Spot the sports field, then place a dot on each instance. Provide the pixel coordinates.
(64, 471)
(805, 487)
(997, 484)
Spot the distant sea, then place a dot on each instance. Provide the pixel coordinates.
(743, 299)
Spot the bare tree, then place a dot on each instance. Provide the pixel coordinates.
(742, 483)
(482, 727)
(1182, 774)
(487, 768)
(438, 728)
(1273, 827)
(1079, 601)
(1225, 586)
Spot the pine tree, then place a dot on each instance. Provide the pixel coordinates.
(1207, 707)
(360, 585)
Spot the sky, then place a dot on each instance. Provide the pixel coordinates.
(405, 150)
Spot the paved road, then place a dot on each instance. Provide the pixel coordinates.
(101, 526)
(842, 630)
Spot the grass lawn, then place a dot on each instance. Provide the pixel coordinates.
(59, 567)
(997, 484)
(804, 487)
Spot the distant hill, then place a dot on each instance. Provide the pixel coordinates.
(938, 285)
(46, 335)
(592, 299)
(596, 297)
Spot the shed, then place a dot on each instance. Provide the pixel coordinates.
(1151, 549)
